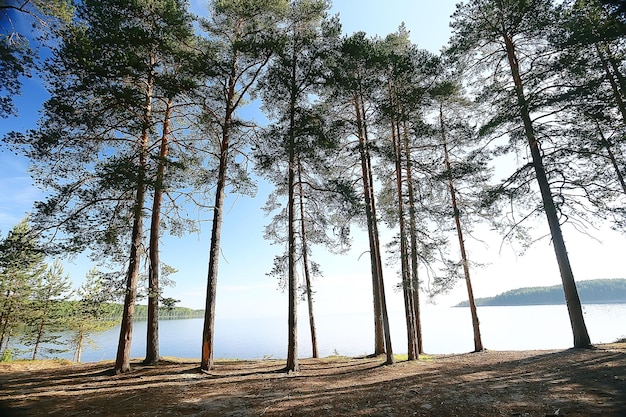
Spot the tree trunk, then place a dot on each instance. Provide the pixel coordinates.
(414, 281)
(607, 64)
(208, 332)
(478, 343)
(366, 172)
(79, 348)
(305, 261)
(152, 336)
(40, 328)
(409, 311)
(608, 146)
(122, 361)
(577, 320)
(292, 347)
(232, 100)
(378, 258)
(7, 311)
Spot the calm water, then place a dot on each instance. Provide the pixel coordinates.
(445, 330)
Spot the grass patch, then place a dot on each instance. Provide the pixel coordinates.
(335, 357)
(405, 357)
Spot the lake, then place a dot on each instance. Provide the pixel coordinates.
(444, 329)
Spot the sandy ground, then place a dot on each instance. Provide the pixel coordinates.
(521, 384)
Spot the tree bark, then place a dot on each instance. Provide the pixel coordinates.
(79, 348)
(370, 212)
(305, 261)
(409, 312)
(607, 65)
(414, 281)
(577, 320)
(152, 336)
(378, 258)
(292, 347)
(478, 343)
(208, 333)
(122, 361)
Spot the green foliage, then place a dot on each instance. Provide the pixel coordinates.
(90, 314)
(47, 315)
(18, 52)
(21, 269)
(7, 355)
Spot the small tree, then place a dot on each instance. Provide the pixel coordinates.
(91, 313)
(21, 266)
(49, 311)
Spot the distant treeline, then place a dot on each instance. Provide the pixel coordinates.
(141, 312)
(598, 291)
(113, 312)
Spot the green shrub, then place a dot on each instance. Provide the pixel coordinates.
(6, 356)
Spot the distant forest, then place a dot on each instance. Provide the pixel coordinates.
(141, 312)
(597, 291)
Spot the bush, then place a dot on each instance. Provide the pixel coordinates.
(7, 356)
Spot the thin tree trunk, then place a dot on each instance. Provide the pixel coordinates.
(577, 320)
(292, 347)
(390, 360)
(5, 317)
(478, 343)
(152, 336)
(208, 333)
(409, 309)
(404, 255)
(617, 94)
(232, 100)
(305, 261)
(39, 335)
(8, 339)
(79, 348)
(42, 323)
(414, 282)
(122, 361)
(606, 143)
(379, 330)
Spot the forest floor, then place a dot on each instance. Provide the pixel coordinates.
(491, 383)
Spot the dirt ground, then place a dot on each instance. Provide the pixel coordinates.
(521, 384)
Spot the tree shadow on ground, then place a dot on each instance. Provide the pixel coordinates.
(571, 383)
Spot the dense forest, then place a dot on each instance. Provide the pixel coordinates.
(145, 120)
(595, 291)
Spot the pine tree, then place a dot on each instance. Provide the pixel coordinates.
(48, 313)
(469, 169)
(110, 81)
(489, 33)
(296, 138)
(353, 85)
(239, 45)
(590, 46)
(21, 266)
(91, 313)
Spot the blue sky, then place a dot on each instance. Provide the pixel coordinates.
(243, 288)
